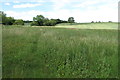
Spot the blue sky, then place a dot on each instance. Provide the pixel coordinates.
(81, 10)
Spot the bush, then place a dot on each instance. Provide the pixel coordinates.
(34, 23)
(19, 22)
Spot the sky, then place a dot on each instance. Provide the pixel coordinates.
(81, 10)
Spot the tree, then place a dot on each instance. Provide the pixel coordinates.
(53, 22)
(2, 17)
(58, 21)
(99, 21)
(109, 21)
(39, 19)
(34, 23)
(71, 20)
(6, 20)
(92, 22)
(19, 22)
(46, 22)
(9, 20)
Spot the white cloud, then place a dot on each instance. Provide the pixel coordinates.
(80, 16)
(95, 3)
(25, 15)
(25, 5)
(16, 2)
(59, 4)
(7, 4)
(102, 12)
(86, 3)
(23, 0)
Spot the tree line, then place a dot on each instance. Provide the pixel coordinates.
(39, 20)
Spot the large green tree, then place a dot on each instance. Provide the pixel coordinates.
(42, 21)
(39, 19)
(53, 22)
(9, 20)
(6, 20)
(71, 20)
(46, 22)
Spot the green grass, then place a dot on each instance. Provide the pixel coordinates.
(59, 53)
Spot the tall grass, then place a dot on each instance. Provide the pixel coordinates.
(59, 53)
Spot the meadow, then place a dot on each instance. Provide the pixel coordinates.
(102, 25)
(51, 52)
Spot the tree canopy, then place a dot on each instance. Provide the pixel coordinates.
(71, 20)
(6, 20)
(19, 22)
(39, 20)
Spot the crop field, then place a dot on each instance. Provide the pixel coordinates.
(51, 52)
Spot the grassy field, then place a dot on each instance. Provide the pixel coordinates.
(89, 25)
(38, 52)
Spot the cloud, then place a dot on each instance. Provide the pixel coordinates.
(7, 4)
(104, 15)
(59, 4)
(93, 10)
(26, 5)
(23, 0)
(16, 2)
(25, 15)
(86, 3)
(95, 3)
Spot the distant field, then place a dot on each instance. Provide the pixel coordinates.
(89, 25)
(50, 52)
